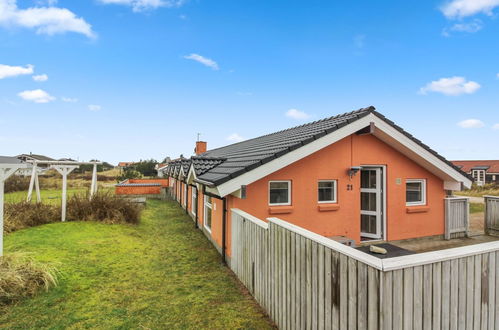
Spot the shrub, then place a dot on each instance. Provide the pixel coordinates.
(21, 276)
(104, 207)
(16, 183)
(23, 215)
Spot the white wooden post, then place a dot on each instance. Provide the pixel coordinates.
(5, 173)
(64, 170)
(93, 186)
(37, 187)
(31, 183)
(2, 182)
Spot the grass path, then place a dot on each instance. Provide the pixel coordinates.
(161, 274)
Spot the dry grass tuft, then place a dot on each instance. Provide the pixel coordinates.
(21, 276)
(23, 215)
(104, 207)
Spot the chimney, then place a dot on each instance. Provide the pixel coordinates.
(200, 147)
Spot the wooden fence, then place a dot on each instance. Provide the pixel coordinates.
(306, 281)
(457, 210)
(492, 215)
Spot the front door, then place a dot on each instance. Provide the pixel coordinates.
(371, 205)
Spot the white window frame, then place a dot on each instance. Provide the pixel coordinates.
(194, 192)
(423, 192)
(207, 206)
(289, 192)
(335, 189)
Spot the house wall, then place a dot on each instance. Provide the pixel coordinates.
(332, 162)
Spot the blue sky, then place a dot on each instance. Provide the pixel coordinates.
(123, 80)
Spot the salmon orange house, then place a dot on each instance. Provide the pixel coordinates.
(355, 175)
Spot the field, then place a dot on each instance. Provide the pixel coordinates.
(161, 274)
(52, 196)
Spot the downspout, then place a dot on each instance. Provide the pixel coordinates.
(186, 198)
(197, 204)
(224, 230)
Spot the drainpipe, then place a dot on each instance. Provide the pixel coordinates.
(224, 230)
(197, 204)
(186, 198)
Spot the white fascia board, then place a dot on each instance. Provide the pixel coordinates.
(292, 156)
(420, 151)
(297, 154)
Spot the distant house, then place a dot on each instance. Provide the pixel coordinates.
(357, 175)
(160, 168)
(482, 171)
(31, 157)
(122, 165)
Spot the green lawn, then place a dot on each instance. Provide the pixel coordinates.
(161, 274)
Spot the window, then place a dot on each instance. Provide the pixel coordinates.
(207, 212)
(280, 193)
(194, 202)
(327, 191)
(415, 192)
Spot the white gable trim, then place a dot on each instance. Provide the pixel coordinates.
(249, 177)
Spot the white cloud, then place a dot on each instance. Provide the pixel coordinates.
(497, 76)
(297, 114)
(451, 86)
(41, 77)
(37, 96)
(46, 20)
(203, 60)
(471, 27)
(463, 8)
(143, 5)
(496, 126)
(94, 107)
(471, 123)
(13, 71)
(69, 99)
(235, 138)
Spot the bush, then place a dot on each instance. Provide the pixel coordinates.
(23, 215)
(16, 183)
(21, 277)
(103, 207)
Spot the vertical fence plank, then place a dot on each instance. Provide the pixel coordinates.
(408, 297)
(362, 289)
(387, 306)
(446, 295)
(373, 305)
(398, 299)
(320, 289)
(303, 283)
(335, 289)
(485, 292)
(462, 275)
(352, 293)
(418, 298)
(343, 291)
(477, 303)
(292, 282)
(428, 284)
(308, 270)
(454, 293)
(328, 306)
(436, 273)
(315, 294)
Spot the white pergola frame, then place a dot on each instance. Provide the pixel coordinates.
(6, 170)
(64, 168)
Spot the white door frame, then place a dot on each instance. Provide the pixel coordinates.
(381, 207)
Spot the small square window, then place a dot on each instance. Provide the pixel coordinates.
(327, 191)
(415, 192)
(280, 193)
